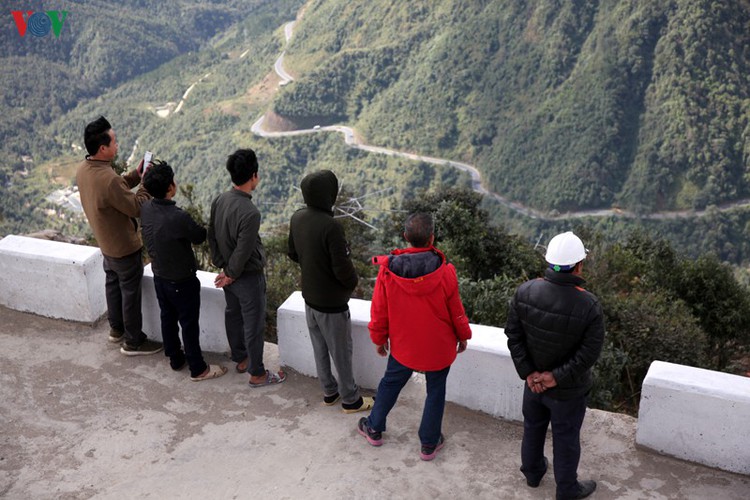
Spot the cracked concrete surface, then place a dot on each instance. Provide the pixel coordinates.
(80, 420)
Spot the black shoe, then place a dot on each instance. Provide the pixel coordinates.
(373, 437)
(177, 362)
(535, 483)
(145, 348)
(427, 453)
(585, 488)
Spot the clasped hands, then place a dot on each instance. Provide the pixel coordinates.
(222, 280)
(539, 382)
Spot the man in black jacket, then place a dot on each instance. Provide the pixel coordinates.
(168, 232)
(555, 334)
(317, 242)
(236, 248)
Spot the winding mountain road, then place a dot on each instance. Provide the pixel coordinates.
(350, 138)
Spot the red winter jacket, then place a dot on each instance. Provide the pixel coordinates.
(416, 305)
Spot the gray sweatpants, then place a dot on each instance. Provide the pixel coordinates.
(331, 337)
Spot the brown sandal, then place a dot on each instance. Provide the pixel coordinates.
(242, 366)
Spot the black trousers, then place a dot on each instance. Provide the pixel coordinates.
(122, 287)
(180, 302)
(566, 418)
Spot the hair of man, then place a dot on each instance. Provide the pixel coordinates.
(158, 178)
(418, 229)
(96, 134)
(242, 166)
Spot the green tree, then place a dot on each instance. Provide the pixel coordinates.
(720, 304)
(202, 250)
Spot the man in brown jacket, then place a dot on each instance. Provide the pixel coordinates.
(112, 208)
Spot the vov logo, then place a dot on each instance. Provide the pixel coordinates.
(39, 24)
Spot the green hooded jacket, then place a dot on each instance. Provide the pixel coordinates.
(317, 242)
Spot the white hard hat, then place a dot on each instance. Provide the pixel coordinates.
(564, 251)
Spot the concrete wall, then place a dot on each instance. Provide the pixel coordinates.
(697, 415)
(51, 278)
(482, 378)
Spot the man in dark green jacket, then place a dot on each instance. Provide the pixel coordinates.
(317, 243)
(236, 248)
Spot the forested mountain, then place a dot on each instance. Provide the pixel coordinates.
(562, 105)
(231, 83)
(101, 46)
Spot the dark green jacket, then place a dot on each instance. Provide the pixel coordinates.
(233, 234)
(317, 242)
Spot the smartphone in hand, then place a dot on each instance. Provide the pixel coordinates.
(146, 161)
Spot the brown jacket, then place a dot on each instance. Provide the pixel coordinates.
(111, 207)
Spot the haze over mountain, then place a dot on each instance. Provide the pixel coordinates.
(561, 105)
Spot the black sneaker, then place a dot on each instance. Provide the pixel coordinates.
(375, 438)
(145, 348)
(116, 336)
(331, 400)
(427, 453)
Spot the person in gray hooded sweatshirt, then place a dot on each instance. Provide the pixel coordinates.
(317, 242)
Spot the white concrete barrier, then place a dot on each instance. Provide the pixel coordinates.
(295, 349)
(482, 378)
(689, 413)
(52, 278)
(213, 334)
(697, 415)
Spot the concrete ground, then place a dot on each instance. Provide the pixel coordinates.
(80, 420)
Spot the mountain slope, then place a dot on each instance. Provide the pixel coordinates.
(231, 83)
(101, 45)
(562, 105)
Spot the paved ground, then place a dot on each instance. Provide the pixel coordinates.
(79, 420)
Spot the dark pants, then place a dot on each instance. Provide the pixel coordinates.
(245, 318)
(566, 418)
(123, 291)
(395, 378)
(181, 302)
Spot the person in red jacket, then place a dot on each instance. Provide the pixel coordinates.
(417, 315)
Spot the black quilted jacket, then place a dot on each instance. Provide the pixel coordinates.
(555, 325)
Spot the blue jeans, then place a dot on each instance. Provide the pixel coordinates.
(395, 378)
(566, 418)
(181, 302)
(245, 320)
